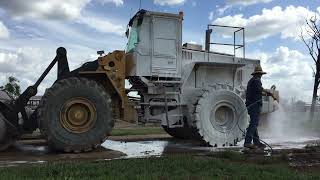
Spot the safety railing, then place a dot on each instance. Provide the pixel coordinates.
(236, 32)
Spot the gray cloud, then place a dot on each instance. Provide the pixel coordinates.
(47, 9)
(40, 11)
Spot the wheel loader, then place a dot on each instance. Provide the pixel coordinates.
(192, 92)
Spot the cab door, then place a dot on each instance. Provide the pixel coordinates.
(166, 42)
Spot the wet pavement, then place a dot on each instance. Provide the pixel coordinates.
(36, 151)
(291, 142)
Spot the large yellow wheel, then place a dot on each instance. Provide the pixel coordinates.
(78, 115)
(75, 115)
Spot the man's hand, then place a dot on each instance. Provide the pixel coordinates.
(267, 93)
(270, 94)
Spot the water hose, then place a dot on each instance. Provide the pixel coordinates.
(244, 110)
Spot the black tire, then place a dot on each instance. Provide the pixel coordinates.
(5, 139)
(182, 132)
(52, 109)
(8, 122)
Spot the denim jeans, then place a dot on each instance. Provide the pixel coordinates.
(252, 130)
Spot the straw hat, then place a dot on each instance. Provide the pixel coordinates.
(258, 70)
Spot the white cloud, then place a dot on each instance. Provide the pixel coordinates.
(27, 58)
(169, 2)
(102, 25)
(246, 2)
(28, 62)
(223, 9)
(289, 70)
(286, 22)
(116, 2)
(58, 22)
(4, 32)
(7, 61)
(230, 3)
(211, 16)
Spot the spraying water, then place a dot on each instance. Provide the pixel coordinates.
(284, 126)
(276, 122)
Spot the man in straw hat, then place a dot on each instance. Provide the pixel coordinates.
(254, 103)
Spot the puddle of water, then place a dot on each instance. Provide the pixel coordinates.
(158, 148)
(15, 163)
(137, 149)
(288, 143)
(155, 148)
(297, 143)
(32, 149)
(30, 154)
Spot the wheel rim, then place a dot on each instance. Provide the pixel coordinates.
(78, 115)
(222, 117)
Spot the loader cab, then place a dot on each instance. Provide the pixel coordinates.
(154, 45)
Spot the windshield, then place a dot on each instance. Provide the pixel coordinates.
(133, 38)
(134, 25)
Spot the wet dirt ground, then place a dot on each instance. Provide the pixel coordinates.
(37, 151)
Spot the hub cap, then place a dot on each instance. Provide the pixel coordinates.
(78, 115)
(223, 117)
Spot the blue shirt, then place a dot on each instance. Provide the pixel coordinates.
(254, 91)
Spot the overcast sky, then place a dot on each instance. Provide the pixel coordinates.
(30, 32)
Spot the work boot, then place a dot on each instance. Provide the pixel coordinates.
(250, 146)
(260, 145)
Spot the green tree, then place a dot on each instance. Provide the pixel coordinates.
(12, 87)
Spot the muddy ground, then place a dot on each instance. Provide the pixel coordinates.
(36, 151)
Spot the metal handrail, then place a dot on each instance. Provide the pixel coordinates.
(210, 29)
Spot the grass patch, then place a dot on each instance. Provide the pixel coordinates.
(171, 167)
(137, 131)
(231, 155)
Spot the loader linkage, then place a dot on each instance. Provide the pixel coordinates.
(10, 109)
